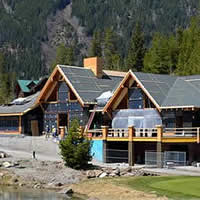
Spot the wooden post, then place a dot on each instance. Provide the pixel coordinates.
(131, 157)
(198, 136)
(104, 138)
(104, 132)
(159, 133)
(20, 124)
(159, 145)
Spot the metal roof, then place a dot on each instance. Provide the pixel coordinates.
(17, 109)
(23, 84)
(172, 91)
(86, 84)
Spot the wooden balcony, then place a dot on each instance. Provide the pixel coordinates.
(157, 134)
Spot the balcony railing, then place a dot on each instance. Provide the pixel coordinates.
(181, 132)
(119, 132)
(154, 134)
(145, 132)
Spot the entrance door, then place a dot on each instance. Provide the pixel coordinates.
(63, 120)
(34, 128)
(63, 124)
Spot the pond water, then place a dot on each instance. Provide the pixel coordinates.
(7, 193)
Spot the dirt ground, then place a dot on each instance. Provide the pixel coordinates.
(105, 189)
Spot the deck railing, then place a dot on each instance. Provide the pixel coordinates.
(159, 132)
(181, 132)
(95, 133)
(145, 132)
(118, 132)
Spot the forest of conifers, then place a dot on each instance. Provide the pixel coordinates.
(155, 36)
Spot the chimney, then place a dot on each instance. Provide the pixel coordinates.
(95, 64)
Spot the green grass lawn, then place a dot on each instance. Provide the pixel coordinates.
(174, 187)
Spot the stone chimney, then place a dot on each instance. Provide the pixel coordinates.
(95, 64)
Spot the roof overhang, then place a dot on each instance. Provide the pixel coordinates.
(178, 107)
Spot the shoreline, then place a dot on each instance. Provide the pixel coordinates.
(54, 176)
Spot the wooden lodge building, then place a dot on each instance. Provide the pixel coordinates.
(125, 114)
(151, 112)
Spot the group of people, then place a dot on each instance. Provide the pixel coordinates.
(51, 132)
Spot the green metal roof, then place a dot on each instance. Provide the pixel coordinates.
(23, 84)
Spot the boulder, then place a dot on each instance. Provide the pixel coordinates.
(7, 164)
(112, 175)
(104, 174)
(58, 184)
(3, 154)
(67, 190)
(91, 174)
(98, 173)
(116, 171)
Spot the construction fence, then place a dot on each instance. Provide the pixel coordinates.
(165, 159)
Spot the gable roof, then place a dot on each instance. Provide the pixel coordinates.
(23, 84)
(86, 86)
(166, 91)
(21, 109)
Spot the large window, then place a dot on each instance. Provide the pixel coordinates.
(9, 123)
(135, 96)
(63, 92)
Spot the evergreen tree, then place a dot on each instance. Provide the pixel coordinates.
(7, 81)
(95, 48)
(189, 55)
(111, 56)
(162, 56)
(75, 149)
(136, 50)
(64, 56)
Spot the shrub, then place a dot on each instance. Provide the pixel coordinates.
(75, 149)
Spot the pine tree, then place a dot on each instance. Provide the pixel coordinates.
(75, 149)
(64, 56)
(189, 55)
(7, 81)
(111, 56)
(136, 50)
(162, 56)
(95, 48)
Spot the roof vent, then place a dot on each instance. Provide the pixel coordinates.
(95, 64)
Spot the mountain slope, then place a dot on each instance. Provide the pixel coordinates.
(31, 30)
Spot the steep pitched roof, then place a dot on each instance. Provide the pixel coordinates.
(166, 91)
(87, 85)
(23, 84)
(172, 91)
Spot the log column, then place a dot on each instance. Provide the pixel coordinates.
(159, 145)
(105, 145)
(131, 152)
